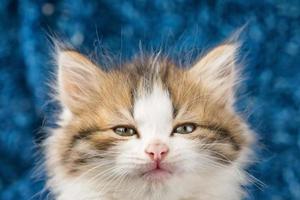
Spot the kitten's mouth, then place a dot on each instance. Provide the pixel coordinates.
(157, 173)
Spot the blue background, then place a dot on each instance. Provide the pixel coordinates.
(270, 92)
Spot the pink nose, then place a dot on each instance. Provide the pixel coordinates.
(157, 151)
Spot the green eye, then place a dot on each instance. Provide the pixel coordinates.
(185, 129)
(125, 131)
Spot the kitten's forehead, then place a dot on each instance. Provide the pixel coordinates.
(153, 112)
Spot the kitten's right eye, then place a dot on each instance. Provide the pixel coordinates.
(125, 131)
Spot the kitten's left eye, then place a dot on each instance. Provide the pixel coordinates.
(185, 128)
(125, 131)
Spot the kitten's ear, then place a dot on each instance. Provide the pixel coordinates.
(78, 80)
(217, 71)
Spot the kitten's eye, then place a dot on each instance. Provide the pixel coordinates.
(125, 131)
(185, 128)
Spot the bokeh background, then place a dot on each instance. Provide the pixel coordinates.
(270, 93)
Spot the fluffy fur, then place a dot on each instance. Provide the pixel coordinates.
(87, 160)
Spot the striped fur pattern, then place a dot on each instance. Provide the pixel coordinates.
(87, 160)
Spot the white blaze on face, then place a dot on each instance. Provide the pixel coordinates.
(153, 115)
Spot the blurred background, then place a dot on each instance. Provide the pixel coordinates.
(270, 94)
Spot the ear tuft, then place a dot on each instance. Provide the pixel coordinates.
(78, 79)
(217, 71)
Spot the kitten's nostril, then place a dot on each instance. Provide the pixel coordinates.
(151, 154)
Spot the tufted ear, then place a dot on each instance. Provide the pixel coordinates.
(78, 80)
(217, 71)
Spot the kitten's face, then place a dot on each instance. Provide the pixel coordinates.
(149, 122)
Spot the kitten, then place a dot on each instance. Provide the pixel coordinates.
(149, 130)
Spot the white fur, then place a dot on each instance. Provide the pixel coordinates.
(153, 115)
